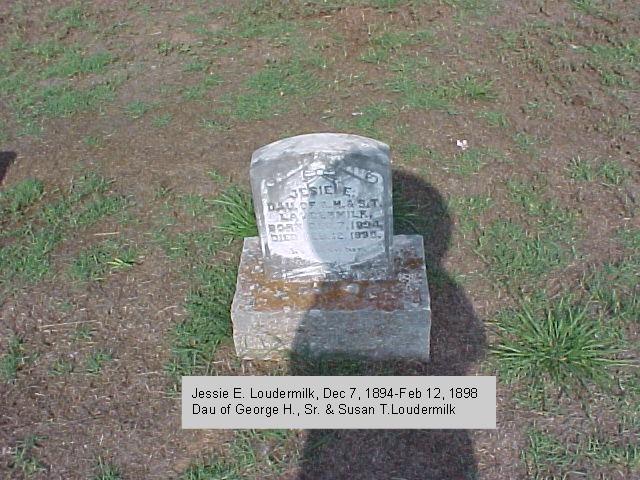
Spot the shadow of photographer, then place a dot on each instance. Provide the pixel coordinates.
(457, 340)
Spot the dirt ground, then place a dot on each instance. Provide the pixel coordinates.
(546, 93)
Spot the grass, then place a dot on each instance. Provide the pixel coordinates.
(365, 122)
(85, 202)
(208, 323)
(61, 367)
(73, 63)
(95, 362)
(20, 196)
(527, 144)
(494, 118)
(162, 120)
(237, 214)
(252, 454)
(103, 259)
(547, 456)
(137, 108)
(23, 459)
(106, 471)
(470, 161)
(614, 288)
(547, 214)
(268, 91)
(516, 254)
(561, 345)
(468, 210)
(26, 71)
(13, 359)
(618, 65)
(436, 92)
(382, 46)
(610, 173)
(72, 16)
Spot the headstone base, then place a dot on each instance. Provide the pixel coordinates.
(376, 319)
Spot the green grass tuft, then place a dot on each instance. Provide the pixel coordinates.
(86, 201)
(23, 459)
(137, 108)
(237, 218)
(106, 471)
(95, 362)
(208, 322)
(252, 454)
(11, 361)
(100, 260)
(20, 196)
(516, 254)
(562, 344)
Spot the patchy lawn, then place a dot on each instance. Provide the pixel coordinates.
(126, 131)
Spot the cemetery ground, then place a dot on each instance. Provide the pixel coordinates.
(125, 136)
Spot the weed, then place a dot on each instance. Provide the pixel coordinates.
(137, 108)
(237, 217)
(364, 122)
(514, 253)
(106, 471)
(96, 361)
(73, 63)
(468, 162)
(23, 459)
(98, 261)
(561, 344)
(83, 332)
(208, 324)
(85, 202)
(614, 287)
(214, 469)
(252, 454)
(612, 173)
(11, 361)
(20, 196)
(162, 120)
(214, 125)
(580, 169)
(61, 367)
(545, 456)
(495, 119)
(195, 66)
(271, 87)
(527, 143)
(72, 16)
(469, 209)
(93, 141)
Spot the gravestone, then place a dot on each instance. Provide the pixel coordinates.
(327, 275)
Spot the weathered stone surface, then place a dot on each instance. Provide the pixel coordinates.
(379, 319)
(323, 206)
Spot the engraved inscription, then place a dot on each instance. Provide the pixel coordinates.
(334, 211)
(323, 205)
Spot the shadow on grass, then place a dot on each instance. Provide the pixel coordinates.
(6, 159)
(457, 341)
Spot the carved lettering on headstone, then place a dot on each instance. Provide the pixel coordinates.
(323, 204)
